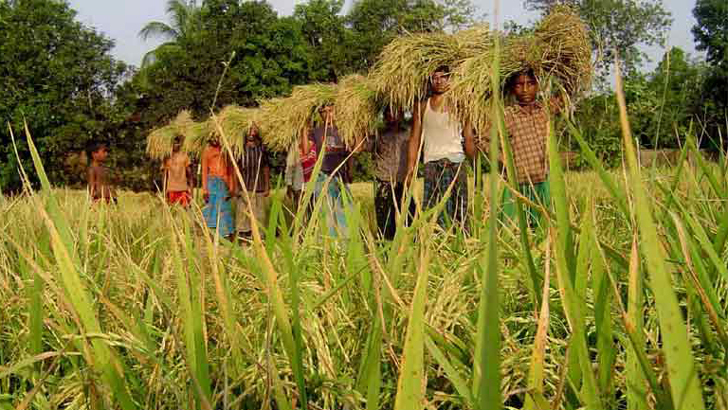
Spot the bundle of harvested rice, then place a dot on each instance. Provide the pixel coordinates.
(402, 73)
(356, 109)
(283, 120)
(197, 136)
(160, 141)
(558, 50)
(234, 121)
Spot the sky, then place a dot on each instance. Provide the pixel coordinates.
(122, 20)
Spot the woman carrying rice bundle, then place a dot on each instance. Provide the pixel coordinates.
(332, 182)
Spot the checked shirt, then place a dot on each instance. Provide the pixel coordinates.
(528, 132)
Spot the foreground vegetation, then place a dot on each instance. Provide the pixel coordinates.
(618, 301)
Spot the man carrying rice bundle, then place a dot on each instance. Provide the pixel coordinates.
(255, 171)
(446, 143)
(390, 150)
(331, 183)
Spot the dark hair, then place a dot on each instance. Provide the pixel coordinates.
(442, 69)
(512, 79)
(94, 146)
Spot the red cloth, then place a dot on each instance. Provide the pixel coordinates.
(179, 197)
(308, 161)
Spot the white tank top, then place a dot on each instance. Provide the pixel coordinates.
(442, 136)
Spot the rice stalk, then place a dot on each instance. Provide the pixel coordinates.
(681, 367)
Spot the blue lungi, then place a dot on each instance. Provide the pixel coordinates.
(218, 207)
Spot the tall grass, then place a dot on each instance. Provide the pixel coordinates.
(619, 302)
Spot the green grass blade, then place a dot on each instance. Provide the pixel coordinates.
(536, 370)
(598, 166)
(486, 366)
(681, 369)
(573, 307)
(191, 322)
(410, 388)
(62, 245)
(452, 373)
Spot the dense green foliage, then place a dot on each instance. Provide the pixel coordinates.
(711, 35)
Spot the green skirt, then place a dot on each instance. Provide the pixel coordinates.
(539, 193)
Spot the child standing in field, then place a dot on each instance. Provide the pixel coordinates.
(527, 125)
(255, 170)
(178, 176)
(216, 187)
(99, 188)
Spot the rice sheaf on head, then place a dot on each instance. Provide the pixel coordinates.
(402, 73)
(161, 140)
(357, 109)
(558, 52)
(283, 120)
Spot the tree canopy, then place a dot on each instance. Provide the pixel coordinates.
(621, 25)
(59, 76)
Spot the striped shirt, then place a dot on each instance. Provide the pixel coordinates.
(252, 162)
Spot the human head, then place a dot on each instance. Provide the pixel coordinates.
(524, 86)
(440, 79)
(214, 141)
(327, 112)
(177, 144)
(98, 151)
(253, 133)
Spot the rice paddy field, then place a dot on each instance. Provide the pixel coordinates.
(618, 301)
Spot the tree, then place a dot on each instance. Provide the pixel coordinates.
(271, 55)
(621, 25)
(186, 21)
(374, 23)
(711, 35)
(323, 28)
(711, 30)
(57, 75)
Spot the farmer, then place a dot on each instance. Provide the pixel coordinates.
(390, 149)
(216, 186)
(300, 162)
(99, 188)
(446, 143)
(255, 171)
(527, 125)
(178, 176)
(331, 182)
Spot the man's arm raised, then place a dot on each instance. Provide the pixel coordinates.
(413, 146)
(469, 135)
